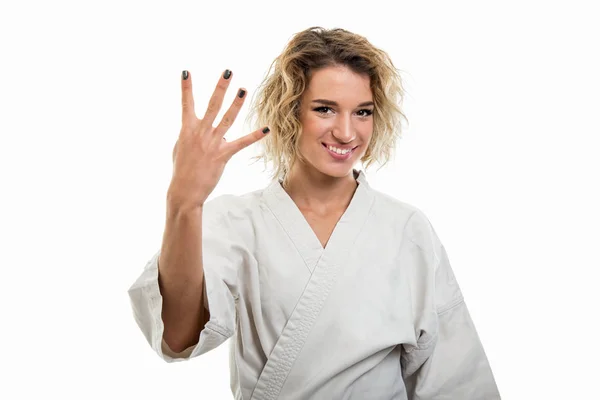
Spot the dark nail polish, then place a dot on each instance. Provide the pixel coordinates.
(184, 75)
(241, 93)
(227, 74)
(266, 130)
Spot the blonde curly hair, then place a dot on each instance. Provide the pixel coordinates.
(276, 103)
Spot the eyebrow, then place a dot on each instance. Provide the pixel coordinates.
(333, 103)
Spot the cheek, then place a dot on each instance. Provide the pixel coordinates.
(315, 127)
(367, 126)
(365, 130)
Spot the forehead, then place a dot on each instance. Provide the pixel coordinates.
(337, 82)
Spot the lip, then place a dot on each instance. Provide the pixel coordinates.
(340, 156)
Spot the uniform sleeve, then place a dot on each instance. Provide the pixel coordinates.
(448, 360)
(223, 256)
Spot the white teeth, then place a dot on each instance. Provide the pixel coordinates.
(339, 151)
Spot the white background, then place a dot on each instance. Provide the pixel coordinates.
(501, 154)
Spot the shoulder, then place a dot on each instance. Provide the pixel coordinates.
(396, 211)
(409, 218)
(386, 204)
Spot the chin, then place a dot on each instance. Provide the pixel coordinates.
(336, 171)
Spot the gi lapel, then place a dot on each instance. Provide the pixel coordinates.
(326, 265)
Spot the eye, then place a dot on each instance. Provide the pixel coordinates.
(322, 110)
(365, 112)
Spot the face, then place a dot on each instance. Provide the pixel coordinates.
(336, 114)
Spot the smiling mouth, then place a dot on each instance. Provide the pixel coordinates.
(339, 156)
(352, 149)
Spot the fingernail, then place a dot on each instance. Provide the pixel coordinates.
(184, 75)
(241, 93)
(227, 74)
(266, 130)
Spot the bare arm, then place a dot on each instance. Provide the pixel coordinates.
(199, 157)
(181, 278)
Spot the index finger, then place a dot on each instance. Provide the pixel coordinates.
(188, 112)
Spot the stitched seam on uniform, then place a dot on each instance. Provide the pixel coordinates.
(427, 344)
(455, 303)
(218, 329)
(290, 352)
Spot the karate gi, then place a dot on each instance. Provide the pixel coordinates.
(377, 314)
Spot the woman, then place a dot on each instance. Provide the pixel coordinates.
(328, 288)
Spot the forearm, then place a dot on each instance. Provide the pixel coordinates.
(181, 278)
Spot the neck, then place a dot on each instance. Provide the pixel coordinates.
(313, 190)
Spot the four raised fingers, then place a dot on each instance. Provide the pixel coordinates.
(216, 100)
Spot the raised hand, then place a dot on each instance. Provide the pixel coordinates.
(200, 153)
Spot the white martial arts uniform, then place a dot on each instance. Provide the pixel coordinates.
(376, 315)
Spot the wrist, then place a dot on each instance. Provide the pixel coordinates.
(178, 207)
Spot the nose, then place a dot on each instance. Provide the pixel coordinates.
(343, 130)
